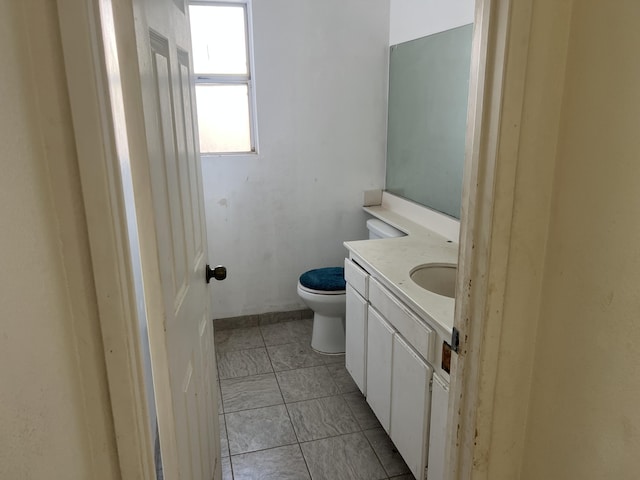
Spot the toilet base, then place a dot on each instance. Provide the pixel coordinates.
(328, 334)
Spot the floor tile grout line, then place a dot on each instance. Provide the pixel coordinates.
(287, 410)
(375, 452)
(353, 413)
(255, 408)
(319, 398)
(312, 398)
(386, 473)
(265, 449)
(341, 394)
(296, 434)
(283, 403)
(301, 401)
(298, 368)
(297, 444)
(226, 433)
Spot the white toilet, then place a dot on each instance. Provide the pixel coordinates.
(323, 291)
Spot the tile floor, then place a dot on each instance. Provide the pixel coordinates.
(290, 413)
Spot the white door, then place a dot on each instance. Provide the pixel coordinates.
(129, 71)
(187, 420)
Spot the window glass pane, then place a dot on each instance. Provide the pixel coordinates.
(223, 118)
(218, 38)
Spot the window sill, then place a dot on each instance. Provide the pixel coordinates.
(206, 156)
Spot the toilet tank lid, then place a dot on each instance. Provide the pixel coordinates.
(382, 229)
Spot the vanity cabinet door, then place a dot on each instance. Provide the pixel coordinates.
(356, 338)
(410, 403)
(379, 357)
(438, 428)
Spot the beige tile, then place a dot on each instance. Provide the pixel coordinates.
(386, 451)
(226, 469)
(250, 392)
(282, 463)
(306, 383)
(361, 410)
(293, 355)
(321, 418)
(259, 429)
(347, 457)
(242, 363)
(238, 339)
(342, 378)
(298, 331)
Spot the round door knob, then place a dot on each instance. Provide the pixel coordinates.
(219, 273)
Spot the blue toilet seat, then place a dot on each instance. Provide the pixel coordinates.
(329, 279)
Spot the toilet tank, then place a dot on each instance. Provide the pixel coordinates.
(379, 229)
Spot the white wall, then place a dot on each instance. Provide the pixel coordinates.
(321, 73)
(411, 19)
(562, 383)
(584, 418)
(55, 416)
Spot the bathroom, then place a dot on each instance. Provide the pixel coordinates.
(322, 142)
(549, 251)
(321, 139)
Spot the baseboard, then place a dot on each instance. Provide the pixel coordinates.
(261, 319)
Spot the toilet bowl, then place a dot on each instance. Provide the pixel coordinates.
(323, 291)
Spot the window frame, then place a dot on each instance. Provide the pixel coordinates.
(247, 79)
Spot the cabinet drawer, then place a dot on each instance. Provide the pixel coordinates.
(414, 330)
(357, 277)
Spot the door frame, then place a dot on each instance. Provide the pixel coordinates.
(500, 57)
(499, 54)
(108, 121)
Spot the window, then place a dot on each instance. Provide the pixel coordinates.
(224, 86)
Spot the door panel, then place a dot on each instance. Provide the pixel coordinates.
(176, 186)
(379, 358)
(438, 429)
(194, 186)
(410, 403)
(356, 338)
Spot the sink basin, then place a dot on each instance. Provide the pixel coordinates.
(439, 278)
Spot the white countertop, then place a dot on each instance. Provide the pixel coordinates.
(390, 260)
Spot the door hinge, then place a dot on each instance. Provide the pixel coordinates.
(455, 340)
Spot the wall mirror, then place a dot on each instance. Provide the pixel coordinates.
(428, 90)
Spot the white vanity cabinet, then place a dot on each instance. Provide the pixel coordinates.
(391, 353)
